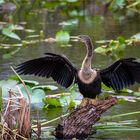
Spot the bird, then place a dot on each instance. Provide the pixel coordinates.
(121, 74)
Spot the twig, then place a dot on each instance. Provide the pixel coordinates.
(45, 123)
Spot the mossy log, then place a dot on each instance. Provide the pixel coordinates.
(79, 123)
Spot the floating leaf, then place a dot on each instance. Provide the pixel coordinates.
(29, 30)
(127, 90)
(62, 37)
(8, 32)
(114, 48)
(18, 27)
(53, 102)
(69, 25)
(37, 96)
(11, 45)
(6, 85)
(103, 41)
(33, 36)
(72, 0)
(22, 88)
(15, 45)
(73, 95)
(31, 82)
(136, 94)
(45, 87)
(100, 50)
(121, 40)
(105, 87)
(14, 77)
(71, 104)
(127, 98)
(51, 5)
(74, 13)
(62, 100)
(69, 22)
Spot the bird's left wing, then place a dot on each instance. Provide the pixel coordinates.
(122, 73)
(52, 65)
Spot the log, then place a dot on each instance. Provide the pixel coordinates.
(79, 123)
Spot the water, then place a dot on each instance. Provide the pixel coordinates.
(100, 25)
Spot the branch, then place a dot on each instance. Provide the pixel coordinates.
(79, 123)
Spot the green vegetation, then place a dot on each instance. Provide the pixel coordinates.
(133, 6)
(116, 48)
(22, 28)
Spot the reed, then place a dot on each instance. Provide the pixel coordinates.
(15, 118)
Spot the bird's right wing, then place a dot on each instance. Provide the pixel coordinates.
(122, 73)
(52, 65)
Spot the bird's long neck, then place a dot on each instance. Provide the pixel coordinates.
(86, 65)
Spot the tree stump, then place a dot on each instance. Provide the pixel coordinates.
(79, 123)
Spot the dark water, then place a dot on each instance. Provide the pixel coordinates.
(98, 25)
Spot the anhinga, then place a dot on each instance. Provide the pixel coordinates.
(122, 73)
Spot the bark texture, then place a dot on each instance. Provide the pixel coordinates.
(79, 123)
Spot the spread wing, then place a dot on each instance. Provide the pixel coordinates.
(122, 73)
(52, 65)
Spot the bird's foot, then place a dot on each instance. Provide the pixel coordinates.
(84, 102)
(94, 101)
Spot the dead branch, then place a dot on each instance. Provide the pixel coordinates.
(79, 123)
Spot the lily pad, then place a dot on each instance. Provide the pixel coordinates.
(22, 89)
(136, 94)
(71, 104)
(6, 85)
(8, 32)
(69, 25)
(14, 77)
(53, 102)
(36, 95)
(62, 37)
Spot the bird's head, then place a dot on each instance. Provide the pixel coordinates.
(84, 38)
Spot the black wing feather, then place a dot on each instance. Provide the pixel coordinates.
(121, 74)
(52, 65)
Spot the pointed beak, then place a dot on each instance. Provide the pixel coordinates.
(74, 37)
(77, 38)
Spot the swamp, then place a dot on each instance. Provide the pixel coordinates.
(31, 107)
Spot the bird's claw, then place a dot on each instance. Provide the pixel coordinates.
(84, 102)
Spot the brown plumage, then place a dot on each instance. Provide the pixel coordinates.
(121, 74)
